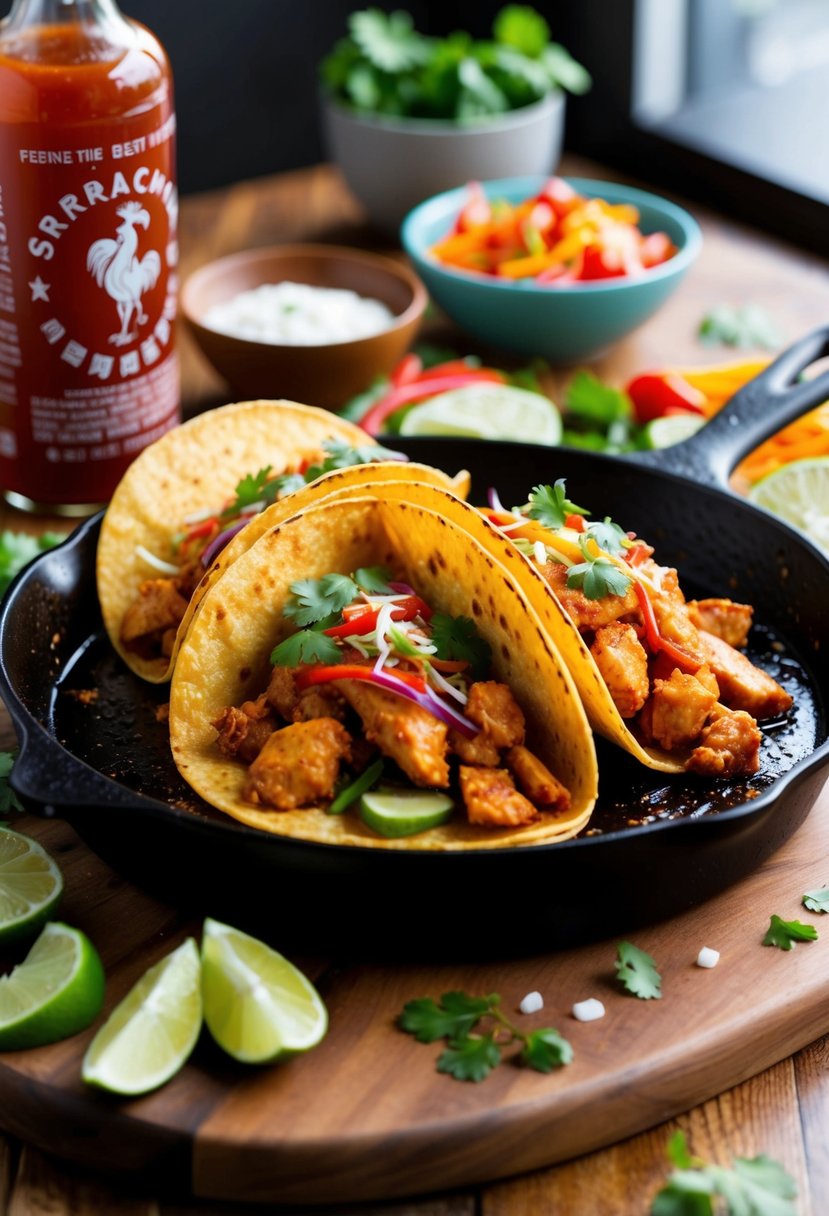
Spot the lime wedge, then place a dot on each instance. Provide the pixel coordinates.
(257, 1005)
(673, 428)
(151, 1032)
(487, 411)
(798, 493)
(30, 886)
(56, 991)
(404, 812)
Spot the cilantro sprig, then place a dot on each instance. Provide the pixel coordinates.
(753, 1186)
(318, 603)
(597, 576)
(457, 637)
(385, 66)
(477, 1031)
(637, 972)
(341, 455)
(785, 934)
(551, 506)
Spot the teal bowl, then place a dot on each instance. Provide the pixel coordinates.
(562, 324)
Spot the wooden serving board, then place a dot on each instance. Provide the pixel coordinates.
(365, 1115)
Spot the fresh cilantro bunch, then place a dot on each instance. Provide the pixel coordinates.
(753, 1186)
(476, 1031)
(385, 66)
(18, 548)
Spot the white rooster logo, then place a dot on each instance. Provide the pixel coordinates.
(124, 276)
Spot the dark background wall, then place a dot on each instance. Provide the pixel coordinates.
(245, 72)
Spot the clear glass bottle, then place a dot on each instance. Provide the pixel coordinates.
(88, 253)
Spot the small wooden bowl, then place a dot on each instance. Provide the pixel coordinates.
(326, 375)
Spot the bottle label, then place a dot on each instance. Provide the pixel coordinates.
(88, 284)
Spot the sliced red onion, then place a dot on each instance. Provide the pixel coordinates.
(429, 701)
(218, 543)
(402, 589)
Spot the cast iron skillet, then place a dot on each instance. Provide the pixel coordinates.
(663, 844)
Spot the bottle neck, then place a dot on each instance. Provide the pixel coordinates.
(100, 14)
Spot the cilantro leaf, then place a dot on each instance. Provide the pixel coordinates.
(341, 455)
(388, 40)
(8, 799)
(638, 973)
(471, 1058)
(598, 577)
(747, 326)
(756, 1186)
(312, 599)
(457, 637)
(785, 934)
(306, 646)
(590, 398)
(248, 491)
(546, 1049)
(550, 505)
(817, 900)
(453, 1018)
(18, 548)
(608, 536)
(373, 579)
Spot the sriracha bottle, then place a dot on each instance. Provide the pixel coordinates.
(88, 209)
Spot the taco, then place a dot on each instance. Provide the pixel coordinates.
(371, 641)
(663, 677)
(164, 536)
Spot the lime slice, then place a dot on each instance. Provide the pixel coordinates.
(30, 886)
(404, 812)
(151, 1032)
(56, 991)
(798, 493)
(673, 428)
(257, 1005)
(487, 411)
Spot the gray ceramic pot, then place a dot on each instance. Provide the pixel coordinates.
(391, 164)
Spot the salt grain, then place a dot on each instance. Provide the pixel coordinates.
(532, 1002)
(588, 1011)
(708, 957)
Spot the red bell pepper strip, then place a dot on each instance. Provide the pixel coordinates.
(420, 390)
(654, 638)
(654, 395)
(351, 671)
(408, 369)
(366, 622)
(576, 522)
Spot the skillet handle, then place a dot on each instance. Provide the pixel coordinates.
(758, 410)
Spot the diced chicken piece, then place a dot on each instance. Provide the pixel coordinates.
(159, 607)
(707, 679)
(480, 750)
(678, 710)
(536, 780)
(623, 663)
(299, 765)
(672, 616)
(588, 615)
(742, 685)
(729, 746)
(492, 800)
(281, 692)
(244, 732)
(410, 736)
(723, 618)
(319, 701)
(493, 707)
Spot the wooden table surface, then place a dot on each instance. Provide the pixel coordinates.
(784, 1111)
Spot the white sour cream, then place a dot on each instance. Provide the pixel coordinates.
(297, 314)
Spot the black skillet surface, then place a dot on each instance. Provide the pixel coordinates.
(655, 846)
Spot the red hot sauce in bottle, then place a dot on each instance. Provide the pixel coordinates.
(88, 211)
